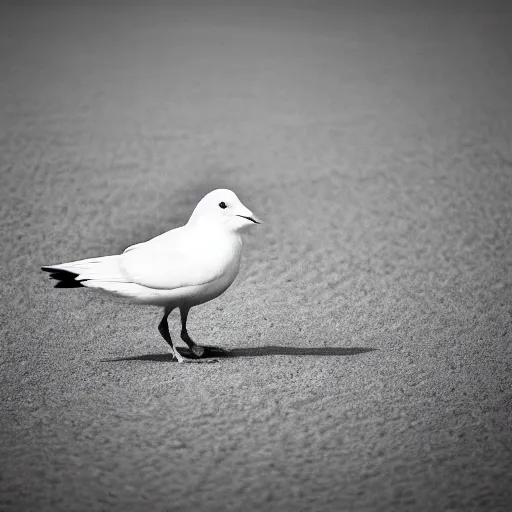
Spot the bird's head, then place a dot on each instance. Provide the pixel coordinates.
(223, 208)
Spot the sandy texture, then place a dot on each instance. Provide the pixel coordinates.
(371, 322)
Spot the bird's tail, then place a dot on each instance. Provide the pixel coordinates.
(84, 272)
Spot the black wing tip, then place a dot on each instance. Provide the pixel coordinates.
(69, 284)
(65, 278)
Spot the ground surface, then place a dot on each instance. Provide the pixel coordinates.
(370, 325)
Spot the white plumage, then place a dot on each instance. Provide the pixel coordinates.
(182, 268)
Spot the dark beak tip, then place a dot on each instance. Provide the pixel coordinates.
(250, 218)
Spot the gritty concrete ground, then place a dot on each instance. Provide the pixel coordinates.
(370, 325)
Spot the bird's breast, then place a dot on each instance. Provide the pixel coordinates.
(220, 269)
(221, 255)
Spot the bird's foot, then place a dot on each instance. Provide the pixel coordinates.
(209, 351)
(190, 360)
(184, 359)
(198, 351)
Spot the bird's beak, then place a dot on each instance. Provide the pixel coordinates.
(255, 219)
(247, 214)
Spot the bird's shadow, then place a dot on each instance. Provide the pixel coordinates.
(269, 350)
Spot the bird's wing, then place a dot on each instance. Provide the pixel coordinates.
(105, 268)
(173, 260)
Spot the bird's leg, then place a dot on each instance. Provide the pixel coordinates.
(163, 327)
(196, 349)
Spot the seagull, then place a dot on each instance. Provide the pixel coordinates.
(181, 268)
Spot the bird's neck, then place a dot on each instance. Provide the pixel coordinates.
(207, 228)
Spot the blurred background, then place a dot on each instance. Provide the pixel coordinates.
(374, 140)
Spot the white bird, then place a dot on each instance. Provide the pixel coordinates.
(181, 268)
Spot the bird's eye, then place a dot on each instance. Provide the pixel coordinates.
(222, 205)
